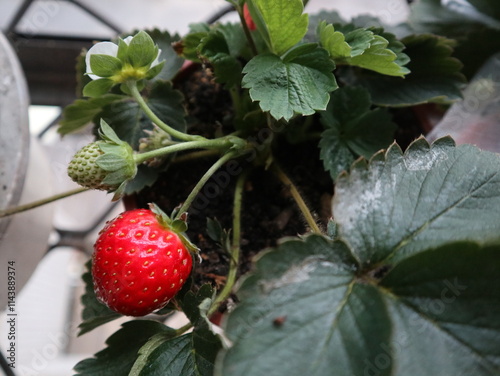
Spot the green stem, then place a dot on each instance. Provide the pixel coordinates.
(36, 204)
(235, 247)
(297, 197)
(220, 143)
(132, 85)
(189, 200)
(183, 329)
(195, 155)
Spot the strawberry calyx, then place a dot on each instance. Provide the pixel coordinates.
(107, 164)
(176, 225)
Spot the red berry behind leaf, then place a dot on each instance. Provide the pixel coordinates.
(138, 265)
(248, 18)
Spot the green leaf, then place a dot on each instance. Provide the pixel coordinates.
(308, 309)
(94, 313)
(191, 354)
(346, 42)
(435, 75)
(146, 176)
(379, 58)
(284, 21)
(82, 112)
(301, 313)
(190, 44)
(352, 129)
(191, 303)
(403, 204)
(371, 49)
(407, 288)
(215, 49)
(445, 311)
(123, 346)
(297, 86)
(104, 65)
(141, 50)
(173, 62)
(98, 88)
(129, 121)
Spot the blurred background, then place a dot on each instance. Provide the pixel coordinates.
(39, 43)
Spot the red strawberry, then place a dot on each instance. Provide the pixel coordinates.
(138, 265)
(248, 18)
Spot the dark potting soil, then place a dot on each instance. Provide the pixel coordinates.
(268, 214)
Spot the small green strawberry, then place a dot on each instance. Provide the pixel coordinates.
(140, 262)
(107, 164)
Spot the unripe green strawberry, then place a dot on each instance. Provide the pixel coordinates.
(138, 264)
(107, 164)
(84, 170)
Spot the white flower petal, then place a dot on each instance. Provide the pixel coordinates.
(156, 61)
(128, 39)
(102, 48)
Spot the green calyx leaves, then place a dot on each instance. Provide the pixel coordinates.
(107, 164)
(174, 223)
(133, 59)
(118, 160)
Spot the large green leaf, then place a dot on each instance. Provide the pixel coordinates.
(352, 129)
(309, 310)
(299, 83)
(409, 286)
(123, 346)
(282, 20)
(435, 75)
(403, 204)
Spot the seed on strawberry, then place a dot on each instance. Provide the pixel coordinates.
(138, 264)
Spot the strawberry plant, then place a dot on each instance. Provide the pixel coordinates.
(311, 228)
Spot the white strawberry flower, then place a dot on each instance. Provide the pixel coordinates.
(133, 59)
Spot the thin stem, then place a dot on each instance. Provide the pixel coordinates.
(200, 144)
(235, 246)
(297, 197)
(189, 200)
(195, 155)
(132, 85)
(36, 204)
(183, 329)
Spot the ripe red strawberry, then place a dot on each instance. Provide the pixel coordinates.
(138, 264)
(248, 18)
